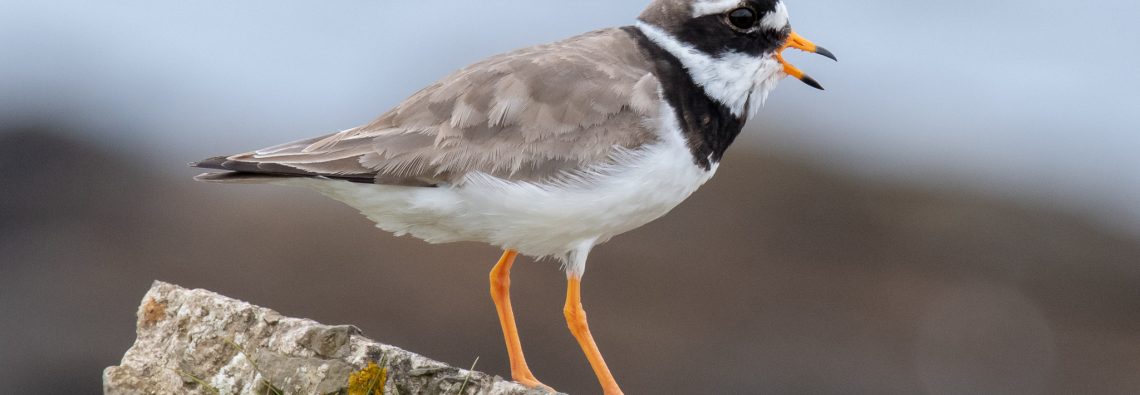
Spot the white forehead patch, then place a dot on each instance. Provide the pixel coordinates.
(709, 7)
(777, 19)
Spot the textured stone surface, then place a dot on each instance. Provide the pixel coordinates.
(199, 342)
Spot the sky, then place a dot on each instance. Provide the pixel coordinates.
(1019, 99)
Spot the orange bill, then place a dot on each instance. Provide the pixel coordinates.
(799, 42)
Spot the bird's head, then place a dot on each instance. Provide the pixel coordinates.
(731, 47)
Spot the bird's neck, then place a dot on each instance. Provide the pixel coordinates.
(740, 81)
(708, 123)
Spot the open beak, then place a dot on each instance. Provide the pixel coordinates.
(799, 42)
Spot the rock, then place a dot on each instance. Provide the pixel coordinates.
(199, 342)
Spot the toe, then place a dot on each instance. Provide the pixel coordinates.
(535, 384)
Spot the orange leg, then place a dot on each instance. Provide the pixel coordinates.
(501, 293)
(576, 319)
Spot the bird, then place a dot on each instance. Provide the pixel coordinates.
(549, 151)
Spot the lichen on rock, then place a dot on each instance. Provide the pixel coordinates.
(368, 381)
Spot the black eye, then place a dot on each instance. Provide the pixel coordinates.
(742, 18)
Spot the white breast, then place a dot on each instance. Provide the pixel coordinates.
(538, 219)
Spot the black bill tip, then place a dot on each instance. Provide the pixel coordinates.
(823, 51)
(812, 82)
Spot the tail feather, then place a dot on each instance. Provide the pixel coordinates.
(239, 178)
(237, 171)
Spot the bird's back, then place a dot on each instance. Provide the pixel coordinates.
(529, 115)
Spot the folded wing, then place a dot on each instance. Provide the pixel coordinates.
(526, 115)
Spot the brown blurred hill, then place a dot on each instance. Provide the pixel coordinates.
(777, 277)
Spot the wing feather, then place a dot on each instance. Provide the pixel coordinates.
(526, 115)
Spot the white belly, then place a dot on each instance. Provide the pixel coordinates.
(537, 220)
(554, 219)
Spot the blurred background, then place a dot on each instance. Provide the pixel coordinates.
(958, 214)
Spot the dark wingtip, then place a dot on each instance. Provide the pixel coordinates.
(812, 83)
(218, 162)
(823, 51)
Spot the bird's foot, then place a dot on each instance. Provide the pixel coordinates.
(531, 382)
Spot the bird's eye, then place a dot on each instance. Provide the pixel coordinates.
(742, 18)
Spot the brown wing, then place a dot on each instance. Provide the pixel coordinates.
(525, 115)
